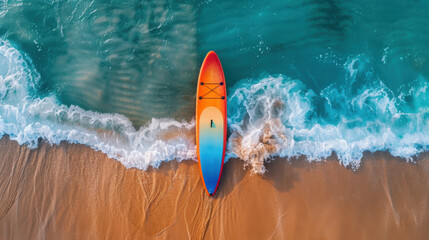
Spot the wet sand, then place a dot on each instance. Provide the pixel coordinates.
(73, 192)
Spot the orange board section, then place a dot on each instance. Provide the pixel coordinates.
(211, 122)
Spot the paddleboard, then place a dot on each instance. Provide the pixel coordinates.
(211, 122)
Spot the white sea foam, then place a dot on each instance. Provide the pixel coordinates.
(277, 116)
(26, 119)
(268, 117)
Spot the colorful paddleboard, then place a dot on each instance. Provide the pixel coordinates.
(211, 122)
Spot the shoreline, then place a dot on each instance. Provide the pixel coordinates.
(71, 191)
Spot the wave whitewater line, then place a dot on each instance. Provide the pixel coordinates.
(274, 116)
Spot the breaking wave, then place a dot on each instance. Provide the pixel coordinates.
(27, 118)
(279, 116)
(273, 116)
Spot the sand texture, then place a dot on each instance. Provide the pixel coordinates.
(72, 192)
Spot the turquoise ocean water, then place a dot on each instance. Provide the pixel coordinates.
(305, 77)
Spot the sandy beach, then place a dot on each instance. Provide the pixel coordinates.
(321, 107)
(73, 192)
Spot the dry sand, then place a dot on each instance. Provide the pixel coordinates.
(72, 192)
